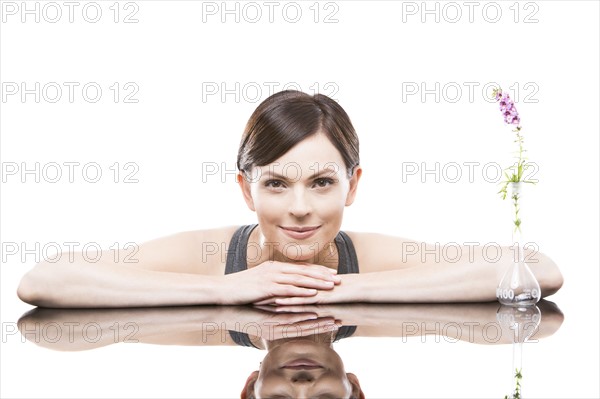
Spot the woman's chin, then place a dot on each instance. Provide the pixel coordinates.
(299, 259)
(299, 253)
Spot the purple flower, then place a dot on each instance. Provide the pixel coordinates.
(512, 119)
(508, 109)
(497, 94)
(505, 102)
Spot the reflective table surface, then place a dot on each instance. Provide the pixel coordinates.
(325, 351)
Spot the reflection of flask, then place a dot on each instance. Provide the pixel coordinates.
(518, 286)
(520, 323)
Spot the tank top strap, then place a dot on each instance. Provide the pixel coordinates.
(237, 250)
(241, 338)
(348, 261)
(236, 262)
(344, 332)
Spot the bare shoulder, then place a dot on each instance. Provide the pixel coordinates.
(196, 252)
(380, 252)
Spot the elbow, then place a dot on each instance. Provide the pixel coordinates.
(558, 280)
(33, 287)
(552, 279)
(26, 291)
(554, 283)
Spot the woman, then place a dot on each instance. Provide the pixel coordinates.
(299, 168)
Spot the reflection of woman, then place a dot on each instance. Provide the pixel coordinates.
(302, 367)
(301, 334)
(299, 168)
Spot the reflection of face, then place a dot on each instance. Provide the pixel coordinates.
(285, 372)
(306, 187)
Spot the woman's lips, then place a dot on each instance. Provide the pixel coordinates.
(299, 233)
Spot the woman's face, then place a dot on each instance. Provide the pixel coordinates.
(299, 199)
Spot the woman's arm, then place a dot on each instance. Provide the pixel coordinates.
(166, 271)
(472, 278)
(170, 271)
(110, 285)
(467, 280)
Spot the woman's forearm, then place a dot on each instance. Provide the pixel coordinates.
(430, 283)
(106, 285)
(471, 279)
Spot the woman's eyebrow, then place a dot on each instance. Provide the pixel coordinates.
(273, 175)
(327, 170)
(292, 174)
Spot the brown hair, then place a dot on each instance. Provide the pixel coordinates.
(288, 117)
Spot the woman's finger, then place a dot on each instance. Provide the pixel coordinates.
(314, 309)
(314, 271)
(297, 300)
(303, 281)
(290, 290)
(265, 302)
(266, 308)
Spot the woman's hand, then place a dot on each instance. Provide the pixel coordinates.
(346, 291)
(272, 279)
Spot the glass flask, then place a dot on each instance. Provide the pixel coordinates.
(518, 286)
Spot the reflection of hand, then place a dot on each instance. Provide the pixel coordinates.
(263, 322)
(347, 314)
(273, 279)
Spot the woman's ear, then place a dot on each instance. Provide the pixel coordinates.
(248, 391)
(353, 185)
(356, 390)
(245, 186)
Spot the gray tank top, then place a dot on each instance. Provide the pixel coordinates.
(236, 262)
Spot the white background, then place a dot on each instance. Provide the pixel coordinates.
(369, 57)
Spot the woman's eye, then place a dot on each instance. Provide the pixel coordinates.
(273, 184)
(323, 182)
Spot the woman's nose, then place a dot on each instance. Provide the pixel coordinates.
(302, 376)
(300, 205)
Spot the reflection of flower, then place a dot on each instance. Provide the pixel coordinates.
(514, 173)
(517, 393)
